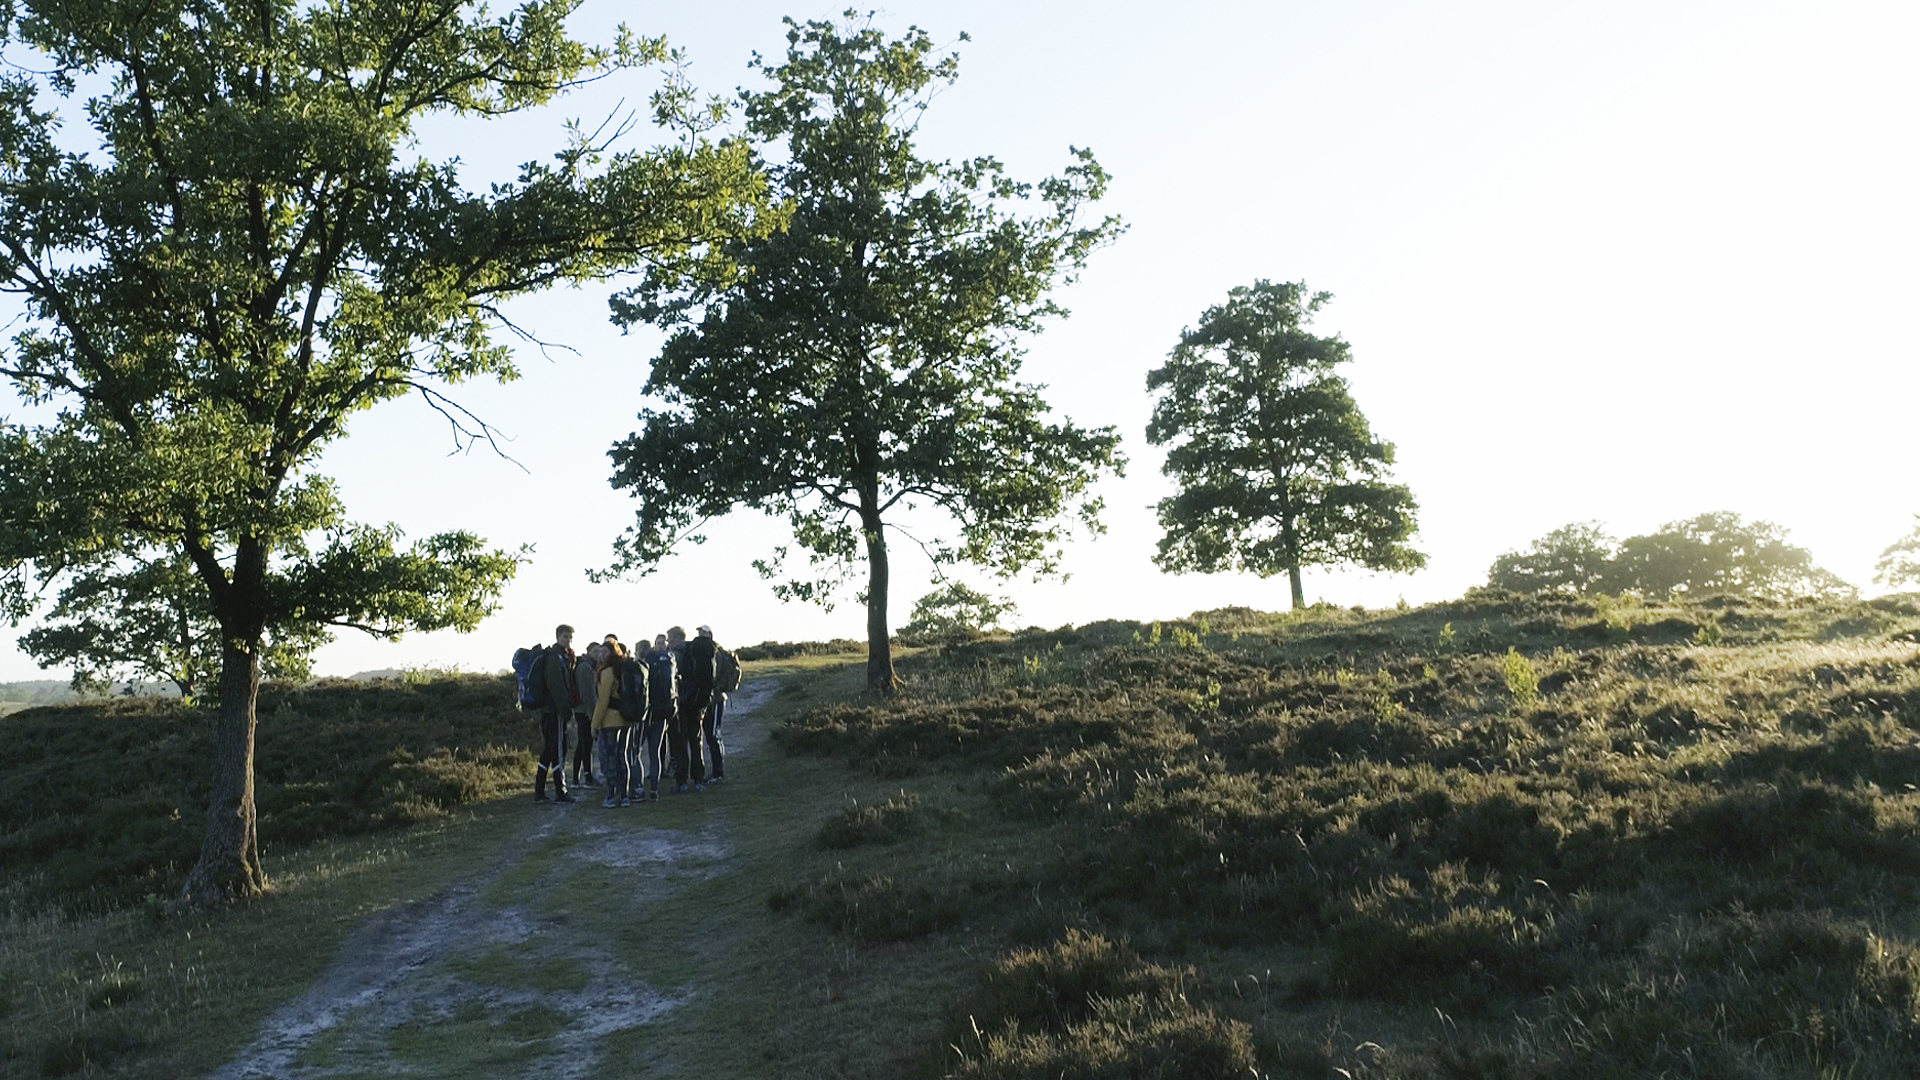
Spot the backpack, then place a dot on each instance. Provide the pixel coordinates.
(527, 665)
(726, 672)
(662, 680)
(633, 690)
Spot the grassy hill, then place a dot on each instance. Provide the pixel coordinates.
(1505, 836)
(1500, 837)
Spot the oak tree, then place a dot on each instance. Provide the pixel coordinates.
(1578, 557)
(147, 616)
(1276, 467)
(239, 255)
(1721, 552)
(866, 358)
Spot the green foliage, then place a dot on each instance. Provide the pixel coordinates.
(1711, 553)
(1277, 469)
(957, 609)
(246, 260)
(1523, 683)
(99, 804)
(1668, 848)
(1899, 564)
(1574, 558)
(150, 618)
(865, 358)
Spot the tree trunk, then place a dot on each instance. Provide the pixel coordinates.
(229, 866)
(1290, 542)
(880, 677)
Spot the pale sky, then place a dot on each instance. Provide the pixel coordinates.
(1614, 259)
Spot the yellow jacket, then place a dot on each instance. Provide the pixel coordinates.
(606, 709)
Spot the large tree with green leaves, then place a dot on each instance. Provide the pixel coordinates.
(1721, 552)
(1276, 467)
(238, 257)
(866, 357)
(1577, 557)
(148, 616)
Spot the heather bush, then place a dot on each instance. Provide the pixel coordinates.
(1577, 832)
(103, 801)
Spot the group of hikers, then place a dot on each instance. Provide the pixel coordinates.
(658, 711)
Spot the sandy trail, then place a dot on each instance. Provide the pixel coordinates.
(401, 972)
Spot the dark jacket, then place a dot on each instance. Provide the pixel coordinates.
(557, 669)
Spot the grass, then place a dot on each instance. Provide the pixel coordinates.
(123, 994)
(1585, 837)
(1500, 837)
(102, 806)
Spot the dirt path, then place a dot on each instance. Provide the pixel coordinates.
(496, 972)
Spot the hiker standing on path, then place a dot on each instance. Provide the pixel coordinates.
(581, 771)
(726, 679)
(634, 708)
(663, 693)
(610, 725)
(562, 693)
(696, 693)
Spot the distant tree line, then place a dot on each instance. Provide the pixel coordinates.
(1712, 553)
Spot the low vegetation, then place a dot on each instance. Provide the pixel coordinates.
(102, 802)
(1507, 836)
(1503, 837)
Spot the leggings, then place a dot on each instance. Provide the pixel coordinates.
(716, 747)
(613, 760)
(644, 752)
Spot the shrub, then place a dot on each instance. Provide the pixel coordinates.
(1129, 1039)
(877, 907)
(1523, 683)
(889, 822)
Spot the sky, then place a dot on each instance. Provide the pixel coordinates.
(1616, 260)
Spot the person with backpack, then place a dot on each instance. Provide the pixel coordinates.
(612, 726)
(630, 694)
(663, 692)
(726, 679)
(585, 671)
(552, 683)
(696, 693)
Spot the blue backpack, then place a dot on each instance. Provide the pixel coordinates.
(526, 671)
